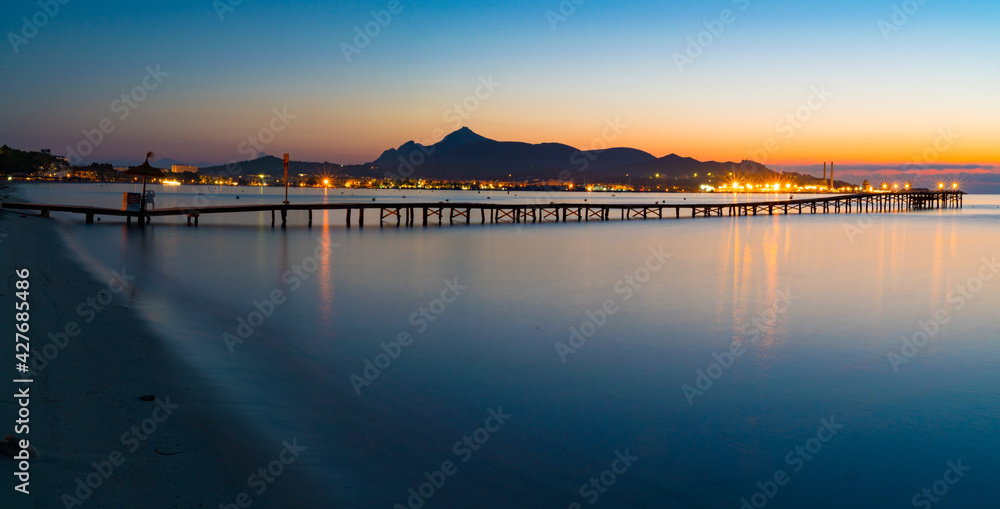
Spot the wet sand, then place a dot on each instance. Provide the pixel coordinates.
(87, 411)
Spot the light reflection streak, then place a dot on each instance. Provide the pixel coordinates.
(326, 286)
(749, 297)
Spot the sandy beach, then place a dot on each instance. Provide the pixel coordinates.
(88, 417)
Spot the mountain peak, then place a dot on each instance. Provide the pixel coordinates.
(458, 139)
(463, 135)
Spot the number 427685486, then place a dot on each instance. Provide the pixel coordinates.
(21, 315)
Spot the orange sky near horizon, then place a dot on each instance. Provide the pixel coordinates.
(788, 85)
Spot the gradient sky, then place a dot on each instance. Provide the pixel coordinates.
(560, 80)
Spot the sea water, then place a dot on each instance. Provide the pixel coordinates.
(813, 360)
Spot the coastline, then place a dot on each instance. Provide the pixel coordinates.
(86, 409)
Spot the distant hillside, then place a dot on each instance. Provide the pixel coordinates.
(675, 166)
(271, 165)
(19, 161)
(163, 162)
(465, 155)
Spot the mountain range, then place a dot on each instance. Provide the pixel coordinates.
(465, 155)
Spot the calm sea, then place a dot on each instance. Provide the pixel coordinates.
(801, 361)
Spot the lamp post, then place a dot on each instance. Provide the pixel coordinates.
(286, 178)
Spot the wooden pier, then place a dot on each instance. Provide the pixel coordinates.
(406, 213)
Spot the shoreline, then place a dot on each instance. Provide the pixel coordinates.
(174, 451)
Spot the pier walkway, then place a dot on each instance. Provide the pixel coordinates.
(534, 212)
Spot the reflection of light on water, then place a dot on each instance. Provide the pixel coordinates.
(732, 241)
(740, 256)
(954, 241)
(898, 247)
(936, 266)
(754, 259)
(282, 260)
(944, 249)
(879, 263)
(325, 274)
(769, 299)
